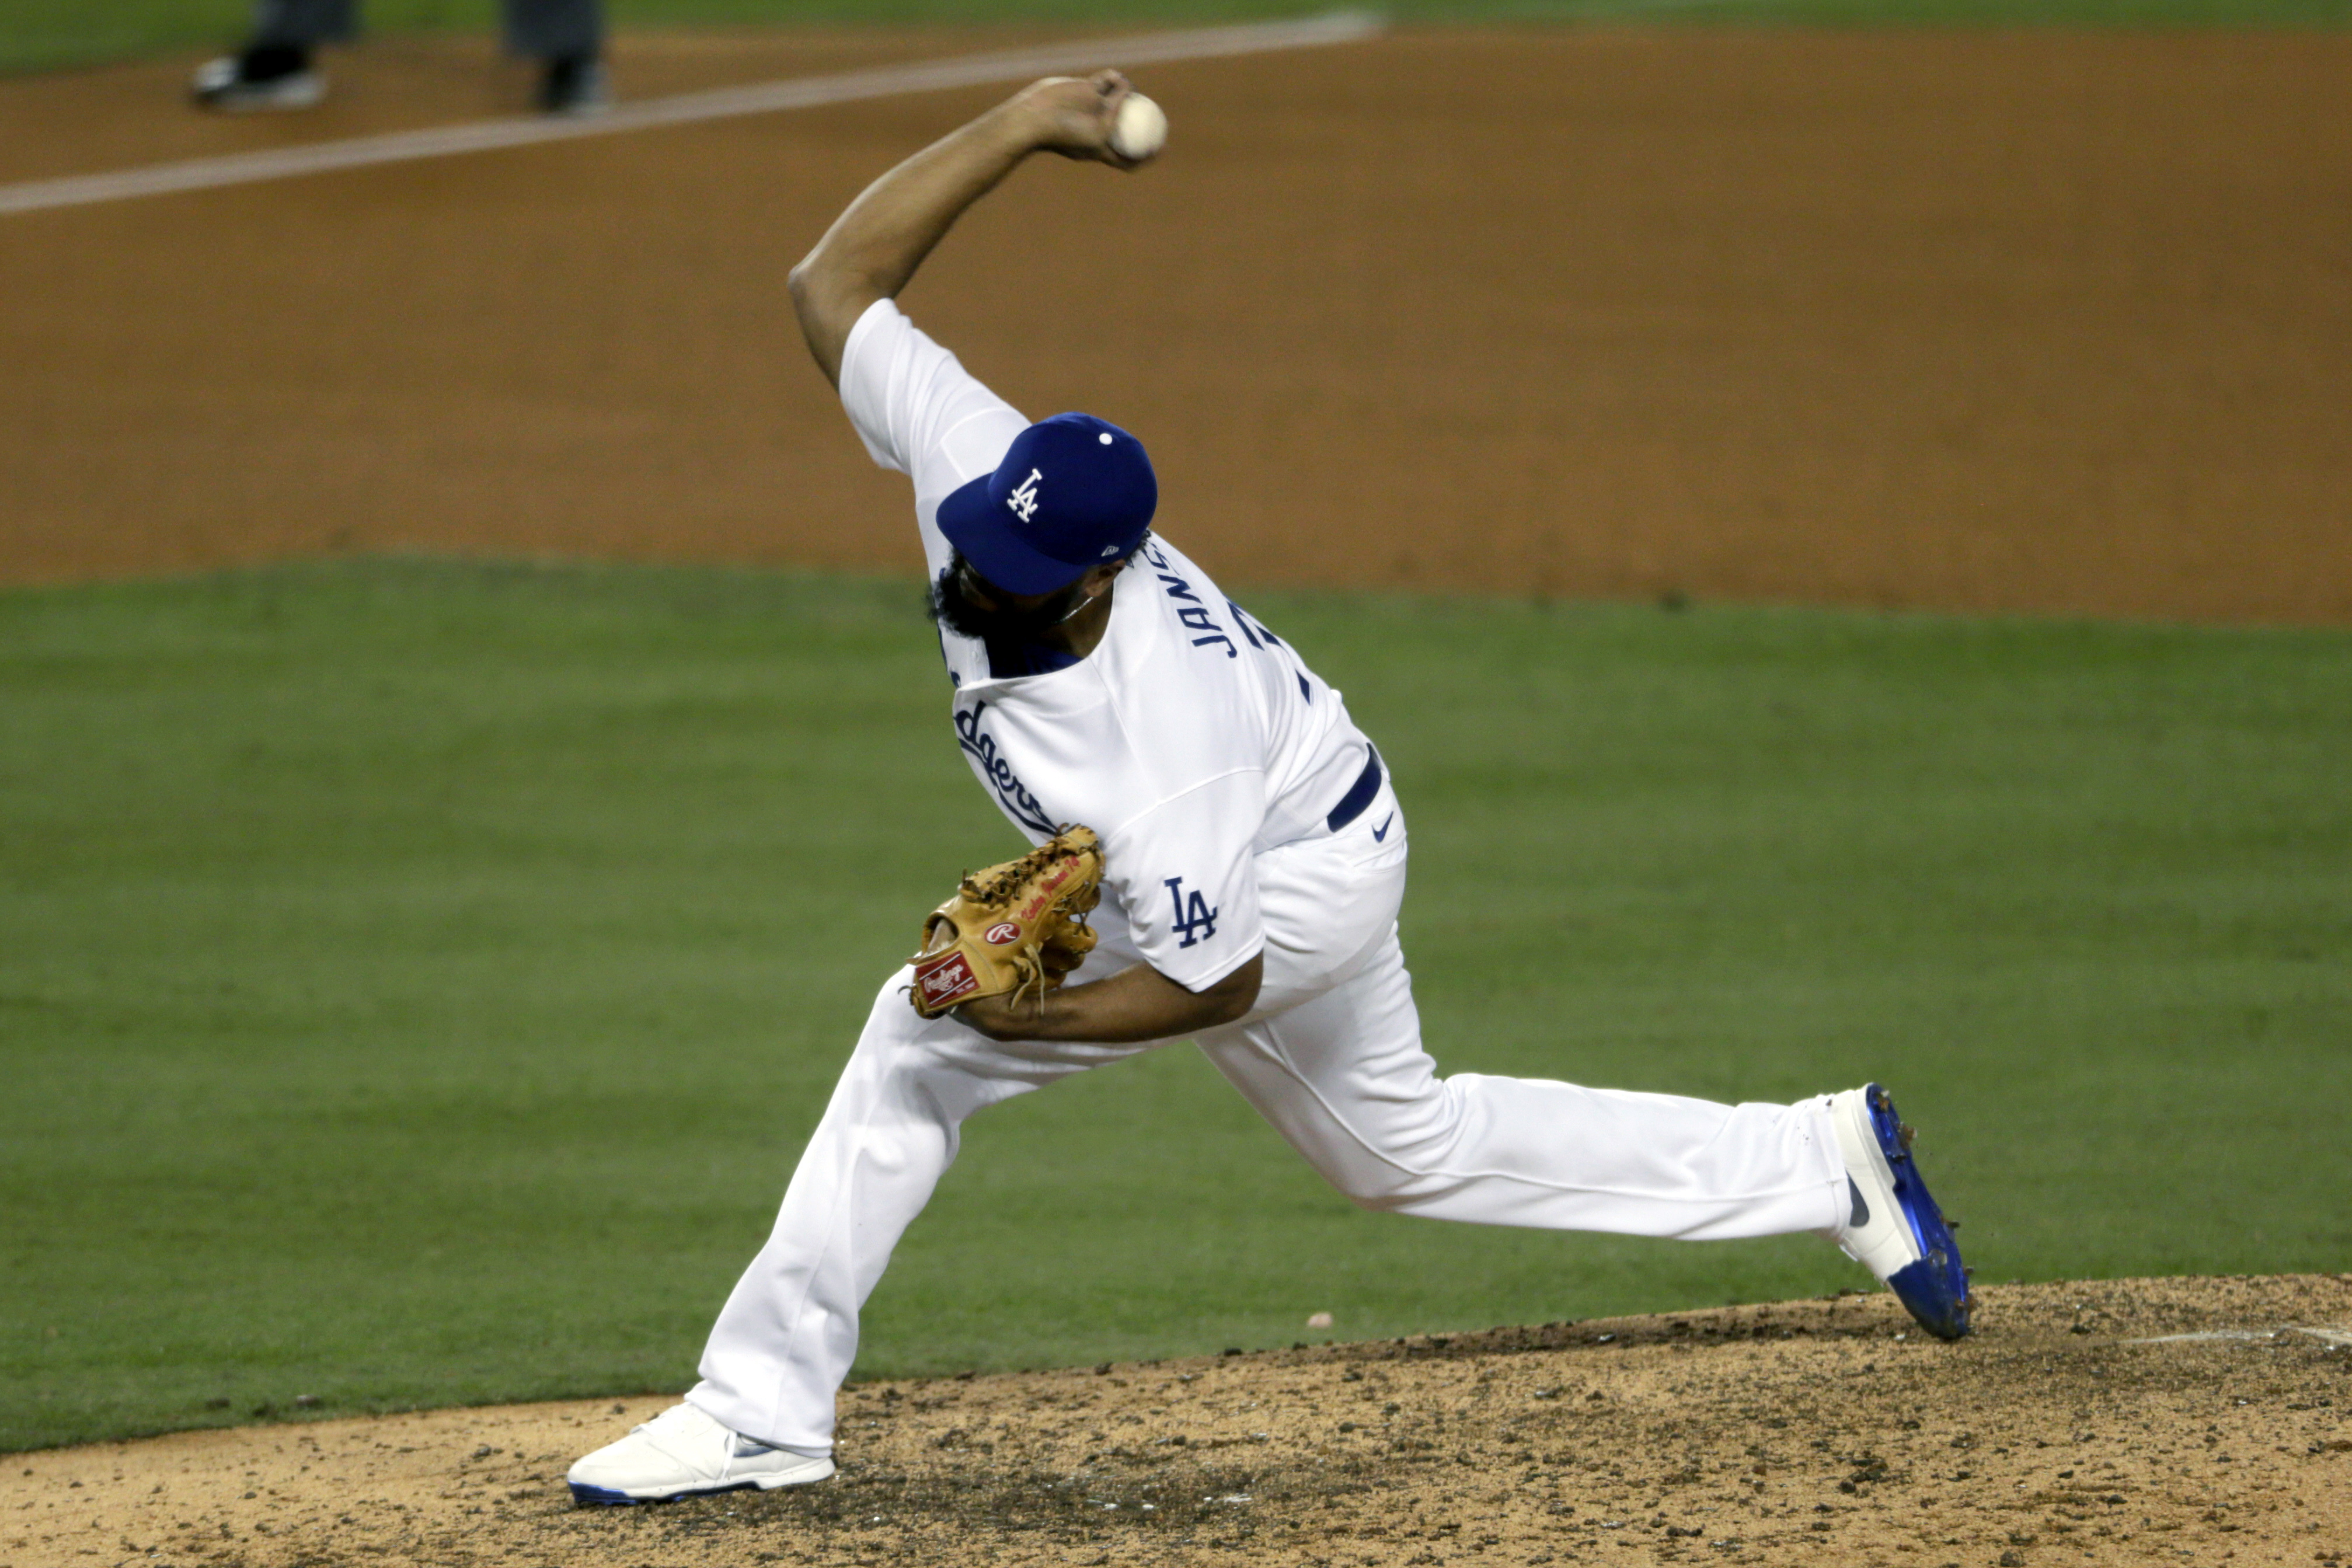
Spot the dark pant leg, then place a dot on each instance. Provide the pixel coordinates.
(302, 23)
(552, 29)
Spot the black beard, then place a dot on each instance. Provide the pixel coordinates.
(1004, 627)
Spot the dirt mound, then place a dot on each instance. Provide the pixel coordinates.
(2121, 1421)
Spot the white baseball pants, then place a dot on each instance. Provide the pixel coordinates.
(1332, 1058)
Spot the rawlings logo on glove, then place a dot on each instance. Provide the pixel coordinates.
(1014, 929)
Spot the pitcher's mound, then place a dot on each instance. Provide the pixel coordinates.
(2125, 1420)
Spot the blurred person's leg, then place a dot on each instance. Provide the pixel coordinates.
(277, 67)
(567, 37)
(300, 24)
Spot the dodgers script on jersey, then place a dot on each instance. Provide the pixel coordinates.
(1192, 739)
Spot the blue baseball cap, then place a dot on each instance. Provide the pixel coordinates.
(1072, 492)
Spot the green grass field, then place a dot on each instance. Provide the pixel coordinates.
(416, 978)
(36, 35)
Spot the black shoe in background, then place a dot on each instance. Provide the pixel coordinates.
(261, 75)
(573, 84)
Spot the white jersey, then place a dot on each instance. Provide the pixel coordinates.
(1192, 739)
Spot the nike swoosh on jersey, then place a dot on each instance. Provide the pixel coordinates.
(1381, 834)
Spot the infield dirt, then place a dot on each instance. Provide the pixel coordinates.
(2038, 320)
(2108, 1421)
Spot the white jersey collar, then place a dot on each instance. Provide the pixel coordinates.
(1125, 640)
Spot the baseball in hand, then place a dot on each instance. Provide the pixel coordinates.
(1140, 129)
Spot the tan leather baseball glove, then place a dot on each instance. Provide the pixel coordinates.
(1016, 927)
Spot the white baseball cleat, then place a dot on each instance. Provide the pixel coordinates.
(1894, 1228)
(684, 1453)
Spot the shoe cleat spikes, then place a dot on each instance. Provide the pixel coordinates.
(1906, 1133)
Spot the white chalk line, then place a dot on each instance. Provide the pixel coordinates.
(2332, 1337)
(685, 108)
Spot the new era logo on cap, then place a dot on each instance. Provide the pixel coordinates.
(1071, 491)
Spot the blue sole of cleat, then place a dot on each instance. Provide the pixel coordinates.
(1935, 1288)
(601, 1497)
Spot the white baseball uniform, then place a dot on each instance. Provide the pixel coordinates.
(1241, 812)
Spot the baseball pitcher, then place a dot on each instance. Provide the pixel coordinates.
(1250, 849)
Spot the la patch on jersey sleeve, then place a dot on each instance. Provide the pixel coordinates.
(1186, 876)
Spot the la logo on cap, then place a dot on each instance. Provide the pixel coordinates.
(1024, 502)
